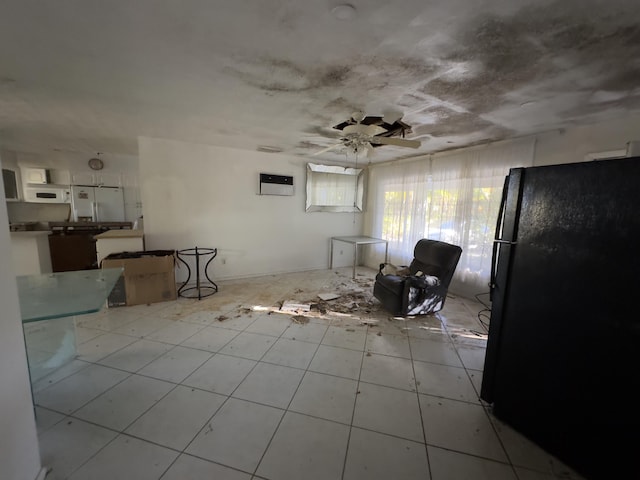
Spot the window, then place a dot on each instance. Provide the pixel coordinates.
(454, 198)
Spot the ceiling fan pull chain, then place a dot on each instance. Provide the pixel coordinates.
(355, 193)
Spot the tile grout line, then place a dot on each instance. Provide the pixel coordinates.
(275, 431)
(257, 362)
(332, 322)
(424, 430)
(355, 403)
(129, 375)
(485, 408)
(118, 433)
(106, 444)
(183, 451)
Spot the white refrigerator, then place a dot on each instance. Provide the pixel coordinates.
(97, 204)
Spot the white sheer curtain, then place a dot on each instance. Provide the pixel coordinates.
(451, 197)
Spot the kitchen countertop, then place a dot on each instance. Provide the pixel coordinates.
(92, 224)
(29, 227)
(30, 233)
(48, 227)
(80, 226)
(120, 234)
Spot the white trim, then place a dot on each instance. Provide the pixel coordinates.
(605, 155)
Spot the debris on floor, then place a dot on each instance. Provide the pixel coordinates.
(341, 296)
(351, 301)
(222, 318)
(369, 321)
(291, 306)
(300, 319)
(477, 334)
(328, 296)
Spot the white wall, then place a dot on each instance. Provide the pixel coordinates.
(205, 196)
(571, 145)
(19, 455)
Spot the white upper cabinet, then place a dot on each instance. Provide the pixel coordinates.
(83, 178)
(96, 179)
(35, 175)
(109, 179)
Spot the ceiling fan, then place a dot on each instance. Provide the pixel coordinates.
(364, 133)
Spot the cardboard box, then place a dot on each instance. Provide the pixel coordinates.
(148, 277)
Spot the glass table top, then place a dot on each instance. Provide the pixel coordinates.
(64, 294)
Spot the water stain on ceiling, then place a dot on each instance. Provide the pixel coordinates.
(283, 73)
(536, 45)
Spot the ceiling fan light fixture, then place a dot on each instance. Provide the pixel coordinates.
(391, 116)
(344, 12)
(369, 132)
(358, 116)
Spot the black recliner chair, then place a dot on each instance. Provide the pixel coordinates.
(424, 289)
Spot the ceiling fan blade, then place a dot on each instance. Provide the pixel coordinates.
(327, 149)
(398, 142)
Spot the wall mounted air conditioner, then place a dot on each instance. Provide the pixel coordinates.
(275, 184)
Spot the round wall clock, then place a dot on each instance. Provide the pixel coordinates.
(96, 164)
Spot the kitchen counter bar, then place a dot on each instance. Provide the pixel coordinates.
(30, 252)
(58, 226)
(122, 233)
(73, 246)
(89, 225)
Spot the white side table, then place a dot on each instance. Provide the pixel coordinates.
(356, 241)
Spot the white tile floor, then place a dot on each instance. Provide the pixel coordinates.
(228, 388)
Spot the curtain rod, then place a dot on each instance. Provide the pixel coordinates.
(430, 156)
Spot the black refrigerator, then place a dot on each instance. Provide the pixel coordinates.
(562, 364)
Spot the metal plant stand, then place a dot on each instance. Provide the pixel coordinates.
(210, 286)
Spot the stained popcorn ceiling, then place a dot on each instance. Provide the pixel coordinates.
(92, 75)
